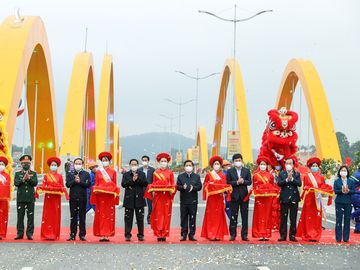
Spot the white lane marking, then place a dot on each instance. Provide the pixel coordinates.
(263, 268)
(27, 268)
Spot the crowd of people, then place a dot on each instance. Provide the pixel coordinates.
(226, 189)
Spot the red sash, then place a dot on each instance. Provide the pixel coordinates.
(217, 188)
(325, 189)
(268, 190)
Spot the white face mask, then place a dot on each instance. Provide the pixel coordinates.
(134, 168)
(145, 163)
(2, 168)
(343, 173)
(78, 167)
(53, 168)
(163, 164)
(238, 164)
(105, 163)
(263, 168)
(288, 167)
(188, 169)
(216, 167)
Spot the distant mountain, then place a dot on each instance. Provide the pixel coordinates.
(150, 144)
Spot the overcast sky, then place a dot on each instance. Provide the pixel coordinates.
(150, 39)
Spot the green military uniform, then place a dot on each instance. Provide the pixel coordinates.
(25, 201)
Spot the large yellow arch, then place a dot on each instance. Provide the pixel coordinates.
(78, 137)
(241, 110)
(116, 145)
(201, 142)
(25, 58)
(321, 121)
(105, 110)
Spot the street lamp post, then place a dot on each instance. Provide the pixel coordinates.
(234, 21)
(180, 104)
(197, 78)
(171, 118)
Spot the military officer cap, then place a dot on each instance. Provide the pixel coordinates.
(25, 158)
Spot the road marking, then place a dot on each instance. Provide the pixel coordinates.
(263, 268)
(27, 268)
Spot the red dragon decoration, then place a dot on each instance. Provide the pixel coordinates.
(280, 137)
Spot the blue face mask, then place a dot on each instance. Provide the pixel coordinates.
(53, 168)
(314, 169)
(278, 168)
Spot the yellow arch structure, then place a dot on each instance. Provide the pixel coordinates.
(321, 121)
(232, 68)
(116, 145)
(25, 59)
(78, 138)
(120, 158)
(201, 141)
(105, 110)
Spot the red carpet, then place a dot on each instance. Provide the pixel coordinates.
(328, 238)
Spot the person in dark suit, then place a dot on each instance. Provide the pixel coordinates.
(134, 182)
(189, 184)
(239, 178)
(78, 181)
(25, 180)
(289, 181)
(343, 188)
(149, 171)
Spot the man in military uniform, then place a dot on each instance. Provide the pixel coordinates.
(25, 181)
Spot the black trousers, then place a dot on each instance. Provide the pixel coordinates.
(149, 205)
(27, 207)
(129, 217)
(188, 219)
(77, 213)
(343, 212)
(244, 211)
(285, 208)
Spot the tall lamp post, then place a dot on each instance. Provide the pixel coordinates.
(197, 78)
(171, 118)
(234, 21)
(180, 104)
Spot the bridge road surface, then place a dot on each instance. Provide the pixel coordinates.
(33, 256)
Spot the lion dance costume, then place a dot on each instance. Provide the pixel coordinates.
(278, 143)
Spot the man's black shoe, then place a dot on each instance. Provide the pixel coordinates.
(232, 238)
(18, 237)
(70, 238)
(82, 238)
(183, 238)
(29, 237)
(293, 239)
(192, 238)
(282, 239)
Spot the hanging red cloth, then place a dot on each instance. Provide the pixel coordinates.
(310, 222)
(214, 225)
(164, 189)
(53, 188)
(265, 191)
(105, 195)
(4, 202)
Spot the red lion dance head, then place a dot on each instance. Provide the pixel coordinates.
(280, 137)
